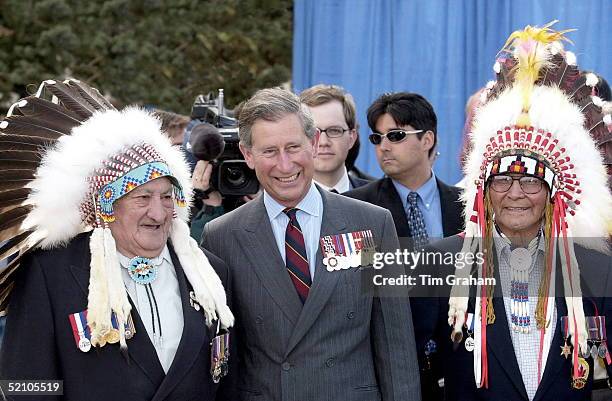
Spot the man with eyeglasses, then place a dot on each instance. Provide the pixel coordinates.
(536, 321)
(423, 207)
(333, 111)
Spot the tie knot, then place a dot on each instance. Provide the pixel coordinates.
(291, 212)
(412, 198)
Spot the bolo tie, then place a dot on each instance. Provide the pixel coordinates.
(144, 272)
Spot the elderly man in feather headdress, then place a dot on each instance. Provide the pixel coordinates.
(536, 208)
(108, 292)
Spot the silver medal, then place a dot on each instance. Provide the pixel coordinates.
(84, 344)
(594, 351)
(602, 351)
(469, 344)
(584, 354)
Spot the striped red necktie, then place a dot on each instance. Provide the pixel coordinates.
(295, 255)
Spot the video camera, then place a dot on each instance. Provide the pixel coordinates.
(213, 136)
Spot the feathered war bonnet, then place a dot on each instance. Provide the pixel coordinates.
(538, 118)
(63, 163)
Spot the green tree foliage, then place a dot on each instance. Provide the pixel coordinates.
(154, 52)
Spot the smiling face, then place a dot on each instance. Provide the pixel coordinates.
(517, 214)
(282, 157)
(332, 151)
(143, 219)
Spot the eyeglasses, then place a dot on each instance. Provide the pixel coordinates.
(503, 183)
(334, 132)
(393, 136)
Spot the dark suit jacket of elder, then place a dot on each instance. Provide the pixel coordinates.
(340, 345)
(39, 343)
(505, 381)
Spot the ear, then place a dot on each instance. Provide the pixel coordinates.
(248, 156)
(352, 137)
(427, 140)
(315, 143)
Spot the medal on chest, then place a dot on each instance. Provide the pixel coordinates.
(219, 355)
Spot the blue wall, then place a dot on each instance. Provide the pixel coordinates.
(443, 50)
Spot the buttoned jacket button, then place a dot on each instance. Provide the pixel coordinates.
(330, 362)
(259, 320)
(350, 315)
(286, 366)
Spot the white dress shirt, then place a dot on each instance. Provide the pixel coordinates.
(343, 185)
(309, 216)
(167, 294)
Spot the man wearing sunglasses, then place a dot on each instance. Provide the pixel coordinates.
(333, 111)
(423, 207)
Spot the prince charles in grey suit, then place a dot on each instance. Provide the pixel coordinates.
(308, 334)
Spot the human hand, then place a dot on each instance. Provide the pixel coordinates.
(200, 179)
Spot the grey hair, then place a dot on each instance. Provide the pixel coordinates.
(272, 104)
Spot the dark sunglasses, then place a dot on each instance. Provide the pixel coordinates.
(394, 136)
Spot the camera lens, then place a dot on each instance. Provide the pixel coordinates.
(235, 176)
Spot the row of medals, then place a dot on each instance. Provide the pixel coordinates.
(595, 350)
(111, 337)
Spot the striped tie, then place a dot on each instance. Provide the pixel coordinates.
(295, 255)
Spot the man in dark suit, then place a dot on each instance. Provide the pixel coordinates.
(39, 342)
(530, 307)
(404, 136)
(333, 111)
(307, 332)
(131, 309)
(406, 157)
(506, 373)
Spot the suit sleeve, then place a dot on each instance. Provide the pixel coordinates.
(28, 350)
(206, 241)
(393, 335)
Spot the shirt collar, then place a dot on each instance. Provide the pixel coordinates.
(309, 204)
(343, 185)
(502, 243)
(426, 192)
(163, 256)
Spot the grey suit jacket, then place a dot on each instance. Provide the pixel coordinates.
(341, 344)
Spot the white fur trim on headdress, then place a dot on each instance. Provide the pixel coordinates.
(61, 179)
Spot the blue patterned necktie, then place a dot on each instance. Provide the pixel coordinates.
(416, 223)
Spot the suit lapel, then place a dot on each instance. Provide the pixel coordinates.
(451, 211)
(195, 334)
(324, 282)
(389, 199)
(554, 362)
(258, 242)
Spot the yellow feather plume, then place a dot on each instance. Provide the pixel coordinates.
(530, 48)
